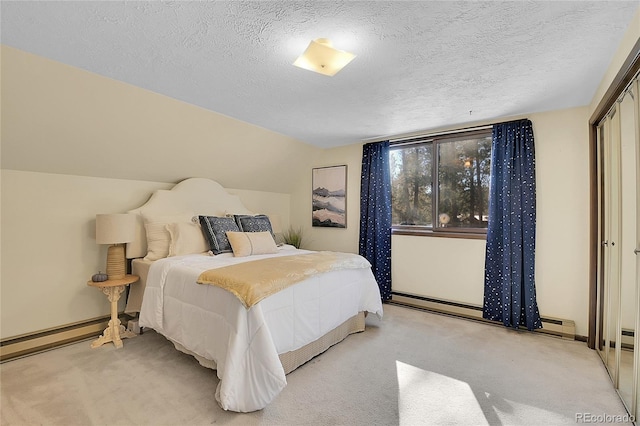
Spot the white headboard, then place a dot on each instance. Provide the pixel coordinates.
(197, 196)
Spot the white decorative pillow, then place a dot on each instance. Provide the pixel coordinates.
(250, 243)
(158, 238)
(186, 238)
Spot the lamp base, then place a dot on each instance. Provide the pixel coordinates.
(116, 265)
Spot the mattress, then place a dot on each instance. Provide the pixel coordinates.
(139, 267)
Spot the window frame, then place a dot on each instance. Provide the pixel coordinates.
(435, 141)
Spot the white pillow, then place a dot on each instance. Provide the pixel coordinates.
(186, 238)
(250, 243)
(158, 238)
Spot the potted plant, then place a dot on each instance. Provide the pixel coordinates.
(293, 236)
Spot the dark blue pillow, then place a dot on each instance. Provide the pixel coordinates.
(215, 230)
(257, 223)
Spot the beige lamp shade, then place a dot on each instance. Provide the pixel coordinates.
(321, 57)
(115, 228)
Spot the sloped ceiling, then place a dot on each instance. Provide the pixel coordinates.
(419, 65)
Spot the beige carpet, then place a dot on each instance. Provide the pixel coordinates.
(410, 368)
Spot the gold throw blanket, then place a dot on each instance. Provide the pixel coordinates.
(253, 281)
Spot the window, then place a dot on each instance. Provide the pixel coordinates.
(441, 184)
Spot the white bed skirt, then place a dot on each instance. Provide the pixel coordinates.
(294, 359)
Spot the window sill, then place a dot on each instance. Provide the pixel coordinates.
(469, 235)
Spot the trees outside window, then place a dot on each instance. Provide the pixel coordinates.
(441, 183)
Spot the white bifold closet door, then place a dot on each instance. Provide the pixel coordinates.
(618, 290)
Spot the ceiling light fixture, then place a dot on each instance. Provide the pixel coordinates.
(323, 58)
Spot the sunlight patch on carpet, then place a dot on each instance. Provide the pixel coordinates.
(425, 397)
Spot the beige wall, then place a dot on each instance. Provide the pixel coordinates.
(453, 269)
(48, 243)
(61, 119)
(345, 239)
(443, 268)
(75, 144)
(562, 245)
(48, 246)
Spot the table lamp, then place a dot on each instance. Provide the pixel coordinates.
(115, 229)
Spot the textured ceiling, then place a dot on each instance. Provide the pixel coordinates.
(419, 65)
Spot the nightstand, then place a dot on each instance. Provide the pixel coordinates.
(115, 332)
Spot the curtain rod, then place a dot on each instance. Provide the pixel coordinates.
(399, 138)
(410, 139)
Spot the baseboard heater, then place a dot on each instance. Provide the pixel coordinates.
(30, 343)
(627, 338)
(563, 328)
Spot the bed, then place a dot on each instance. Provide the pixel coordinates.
(252, 346)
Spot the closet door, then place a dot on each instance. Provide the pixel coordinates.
(610, 246)
(626, 125)
(618, 287)
(602, 264)
(635, 410)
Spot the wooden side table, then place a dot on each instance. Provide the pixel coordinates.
(115, 332)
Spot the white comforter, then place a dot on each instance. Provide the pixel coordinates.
(245, 344)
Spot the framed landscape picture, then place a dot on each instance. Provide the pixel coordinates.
(329, 195)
